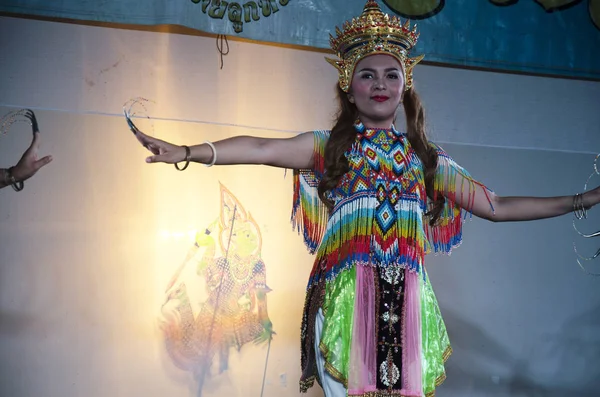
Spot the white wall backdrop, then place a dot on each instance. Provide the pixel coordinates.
(87, 249)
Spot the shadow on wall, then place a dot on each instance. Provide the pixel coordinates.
(577, 347)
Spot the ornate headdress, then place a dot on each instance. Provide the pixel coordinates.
(373, 32)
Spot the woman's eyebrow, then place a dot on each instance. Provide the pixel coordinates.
(393, 69)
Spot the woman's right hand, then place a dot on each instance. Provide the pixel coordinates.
(163, 152)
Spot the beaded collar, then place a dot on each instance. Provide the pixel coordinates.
(366, 131)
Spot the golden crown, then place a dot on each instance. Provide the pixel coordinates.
(373, 32)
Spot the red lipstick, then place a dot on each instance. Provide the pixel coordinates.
(380, 98)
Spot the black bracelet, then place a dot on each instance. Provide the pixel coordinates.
(17, 186)
(188, 158)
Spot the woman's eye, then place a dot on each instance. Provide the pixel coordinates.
(367, 76)
(393, 76)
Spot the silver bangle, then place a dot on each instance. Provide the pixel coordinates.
(214, 154)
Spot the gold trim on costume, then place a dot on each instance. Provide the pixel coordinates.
(307, 384)
(430, 394)
(382, 394)
(447, 353)
(335, 374)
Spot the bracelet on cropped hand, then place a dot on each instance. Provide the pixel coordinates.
(188, 158)
(10, 179)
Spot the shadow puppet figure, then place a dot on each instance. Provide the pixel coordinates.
(233, 309)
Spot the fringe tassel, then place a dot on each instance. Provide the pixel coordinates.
(411, 235)
(348, 240)
(447, 233)
(351, 239)
(309, 214)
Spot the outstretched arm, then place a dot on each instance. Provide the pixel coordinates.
(507, 209)
(294, 153)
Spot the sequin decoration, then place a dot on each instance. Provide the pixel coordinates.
(389, 372)
(389, 334)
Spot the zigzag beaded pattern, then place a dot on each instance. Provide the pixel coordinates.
(379, 206)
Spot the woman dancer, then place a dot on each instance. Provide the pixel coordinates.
(371, 201)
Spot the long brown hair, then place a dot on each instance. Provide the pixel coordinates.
(343, 135)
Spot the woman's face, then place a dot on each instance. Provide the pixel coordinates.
(376, 89)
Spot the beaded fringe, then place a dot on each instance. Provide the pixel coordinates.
(446, 234)
(309, 214)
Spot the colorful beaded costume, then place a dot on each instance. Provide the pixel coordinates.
(383, 333)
